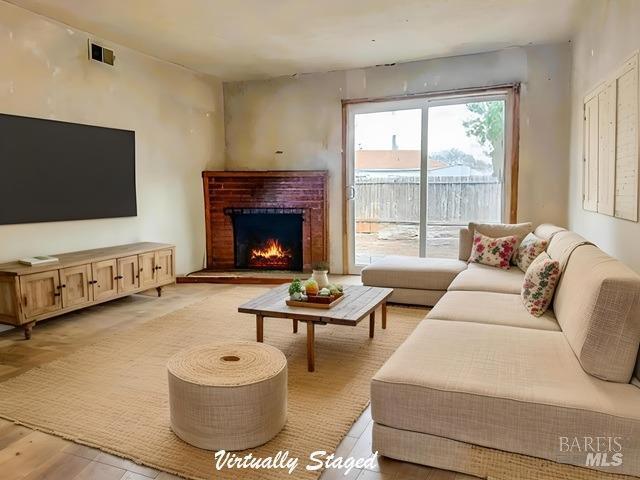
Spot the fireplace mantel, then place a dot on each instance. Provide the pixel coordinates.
(304, 191)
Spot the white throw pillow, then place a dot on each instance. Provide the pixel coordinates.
(528, 251)
(539, 285)
(495, 252)
(498, 230)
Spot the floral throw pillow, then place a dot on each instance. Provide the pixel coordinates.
(528, 251)
(539, 284)
(495, 252)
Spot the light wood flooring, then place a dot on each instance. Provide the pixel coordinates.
(30, 455)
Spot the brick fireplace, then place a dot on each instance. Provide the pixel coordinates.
(273, 220)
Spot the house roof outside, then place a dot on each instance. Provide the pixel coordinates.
(407, 163)
(393, 159)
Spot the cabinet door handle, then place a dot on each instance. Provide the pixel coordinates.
(92, 282)
(57, 294)
(118, 277)
(25, 300)
(61, 286)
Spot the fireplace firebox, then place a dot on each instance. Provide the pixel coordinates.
(267, 238)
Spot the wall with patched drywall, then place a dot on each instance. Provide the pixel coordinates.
(300, 116)
(608, 35)
(177, 116)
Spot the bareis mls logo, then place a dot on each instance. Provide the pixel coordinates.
(597, 451)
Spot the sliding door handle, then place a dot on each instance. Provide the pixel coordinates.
(351, 192)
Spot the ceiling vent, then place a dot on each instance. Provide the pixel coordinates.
(101, 54)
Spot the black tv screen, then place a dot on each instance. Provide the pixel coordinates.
(53, 171)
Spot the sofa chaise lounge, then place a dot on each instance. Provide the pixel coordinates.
(484, 388)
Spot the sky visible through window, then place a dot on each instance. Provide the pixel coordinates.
(375, 131)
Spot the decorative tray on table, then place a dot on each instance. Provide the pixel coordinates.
(317, 301)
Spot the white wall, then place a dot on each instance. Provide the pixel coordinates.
(177, 116)
(301, 116)
(607, 36)
(178, 119)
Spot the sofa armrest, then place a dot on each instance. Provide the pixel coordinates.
(464, 246)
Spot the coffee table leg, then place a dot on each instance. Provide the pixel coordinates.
(311, 354)
(259, 328)
(372, 323)
(295, 326)
(384, 315)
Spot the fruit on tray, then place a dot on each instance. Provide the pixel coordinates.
(308, 291)
(311, 287)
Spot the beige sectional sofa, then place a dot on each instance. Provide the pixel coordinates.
(481, 382)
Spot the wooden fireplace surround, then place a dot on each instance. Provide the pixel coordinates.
(305, 190)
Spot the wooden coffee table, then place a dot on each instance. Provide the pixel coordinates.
(358, 303)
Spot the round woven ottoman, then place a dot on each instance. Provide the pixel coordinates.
(228, 396)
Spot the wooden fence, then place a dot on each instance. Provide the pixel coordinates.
(450, 200)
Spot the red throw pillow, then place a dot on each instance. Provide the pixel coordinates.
(496, 252)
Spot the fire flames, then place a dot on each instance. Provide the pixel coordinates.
(271, 255)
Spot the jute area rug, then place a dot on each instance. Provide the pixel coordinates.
(113, 394)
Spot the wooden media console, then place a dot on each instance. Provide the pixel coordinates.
(80, 279)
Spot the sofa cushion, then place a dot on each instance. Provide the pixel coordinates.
(412, 272)
(490, 307)
(547, 230)
(482, 278)
(512, 389)
(597, 305)
(495, 252)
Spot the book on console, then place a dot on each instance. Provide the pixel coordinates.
(38, 260)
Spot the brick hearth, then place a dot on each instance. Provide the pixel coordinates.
(306, 190)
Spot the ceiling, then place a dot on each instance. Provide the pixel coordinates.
(247, 39)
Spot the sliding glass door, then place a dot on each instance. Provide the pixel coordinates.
(386, 186)
(418, 170)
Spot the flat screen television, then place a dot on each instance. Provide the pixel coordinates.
(54, 171)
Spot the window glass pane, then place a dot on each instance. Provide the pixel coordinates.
(387, 184)
(465, 171)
